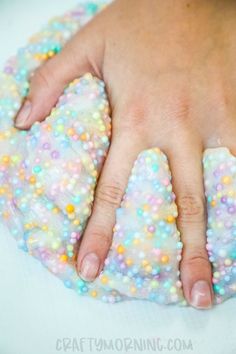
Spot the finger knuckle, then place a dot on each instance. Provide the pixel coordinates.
(133, 117)
(101, 239)
(42, 77)
(195, 257)
(191, 208)
(109, 195)
(180, 109)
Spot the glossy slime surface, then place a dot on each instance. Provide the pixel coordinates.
(48, 176)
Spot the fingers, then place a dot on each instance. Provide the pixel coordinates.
(98, 234)
(195, 268)
(82, 54)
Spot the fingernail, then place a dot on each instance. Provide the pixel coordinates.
(90, 266)
(201, 295)
(23, 115)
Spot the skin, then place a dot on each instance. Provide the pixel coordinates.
(169, 68)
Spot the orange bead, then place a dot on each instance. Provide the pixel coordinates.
(83, 137)
(32, 180)
(213, 203)
(70, 131)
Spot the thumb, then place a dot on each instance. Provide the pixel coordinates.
(82, 54)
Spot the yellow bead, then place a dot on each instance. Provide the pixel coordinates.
(2, 191)
(129, 262)
(63, 258)
(144, 262)
(37, 56)
(226, 179)
(39, 191)
(148, 268)
(6, 159)
(120, 249)
(51, 54)
(27, 226)
(104, 279)
(93, 293)
(170, 219)
(133, 290)
(164, 259)
(136, 241)
(70, 208)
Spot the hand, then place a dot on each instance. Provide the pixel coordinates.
(169, 68)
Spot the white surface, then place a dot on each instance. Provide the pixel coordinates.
(36, 309)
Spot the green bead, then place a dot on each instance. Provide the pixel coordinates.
(37, 169)
(91, 8)
(155, 167)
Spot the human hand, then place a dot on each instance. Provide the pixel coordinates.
(169, 72)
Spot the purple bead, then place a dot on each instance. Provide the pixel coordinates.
(8, 70)
(218, 187)
(55, 154)
(46, 146)
(216, 173)
(231, 210)
(223, 200)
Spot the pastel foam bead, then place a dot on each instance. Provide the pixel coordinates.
(220, 187)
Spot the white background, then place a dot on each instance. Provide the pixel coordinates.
(36, 309)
